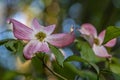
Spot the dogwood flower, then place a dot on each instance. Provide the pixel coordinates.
(39, 36)
(89, 32)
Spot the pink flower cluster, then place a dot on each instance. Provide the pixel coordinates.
(89, 33)
(39, 36)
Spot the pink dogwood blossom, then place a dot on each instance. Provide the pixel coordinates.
(89, 32)
(39, 36)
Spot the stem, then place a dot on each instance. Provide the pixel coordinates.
(108, 63)
(53, 72)
(98, 75)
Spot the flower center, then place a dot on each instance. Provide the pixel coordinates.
(40, 36)
(96, 41)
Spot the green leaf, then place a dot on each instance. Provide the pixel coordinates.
(116, 76)
(115, 68)
(37, 65)
(89, 75)
(2, 42)
(79, 59)
(69, 71)
(19, 46)
(11, 46)
(19, 49)
(108, 74)
(86, 51)
(9, 75)
(58, 55)
(15, 46)
(111, 32)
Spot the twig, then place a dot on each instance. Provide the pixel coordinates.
(53, 72)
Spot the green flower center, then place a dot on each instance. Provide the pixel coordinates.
(40, 36)
(96, 41)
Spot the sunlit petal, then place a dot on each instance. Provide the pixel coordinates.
(36, 26)
(49, 29)
(21, 31)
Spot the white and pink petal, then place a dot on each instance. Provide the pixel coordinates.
(101, 51)
(88, 29)
(111, 43)
(61, 40)
(89, 38)
(101, 36)
(49, 29)
(36, 26)
(44, 47)
(33, 47)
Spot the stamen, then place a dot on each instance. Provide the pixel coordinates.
(40, 36)
(96, 41)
